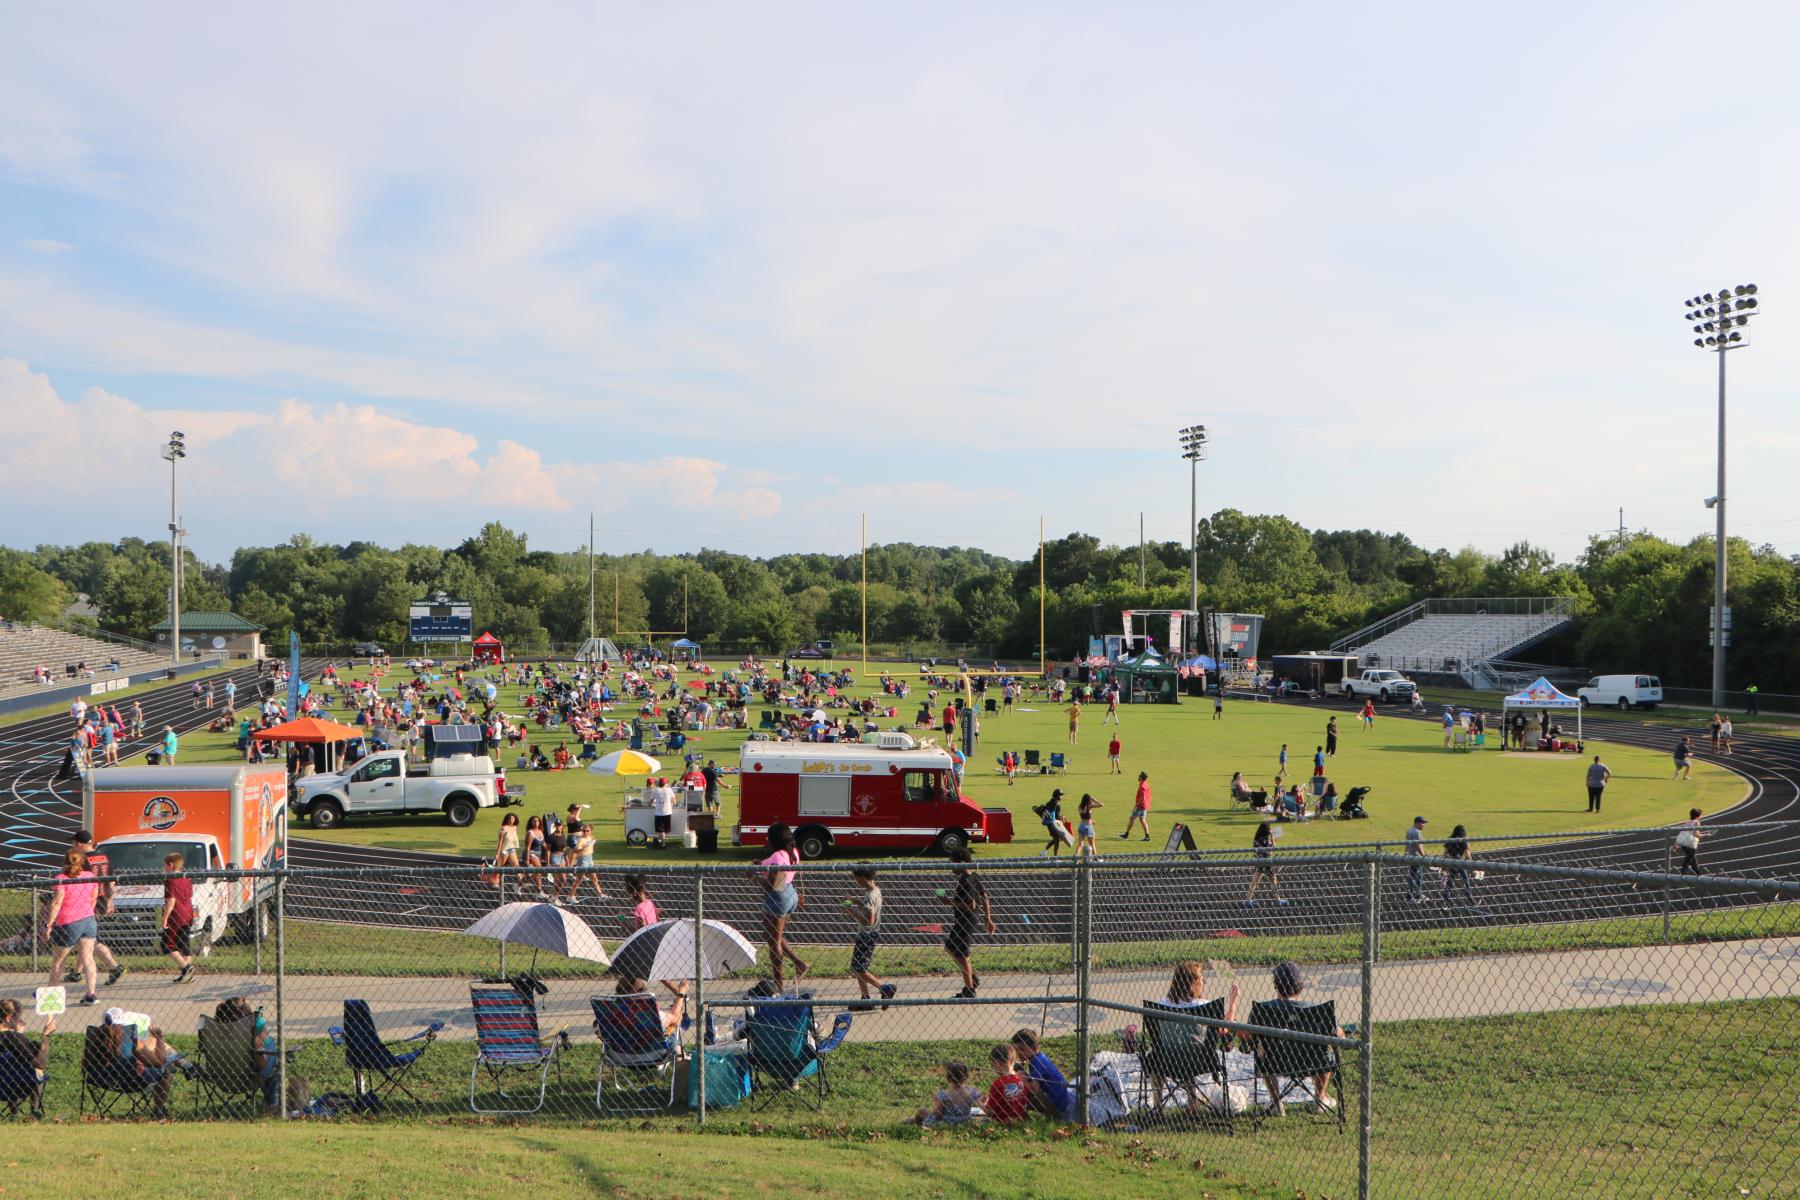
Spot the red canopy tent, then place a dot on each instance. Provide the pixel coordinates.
(489, 649)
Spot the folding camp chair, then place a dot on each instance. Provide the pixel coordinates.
(1058, 762)
(1033, 762)
(367, 1055)
(507, 1040)
(589, 752)
(992, 705)
(225, 1073)
(640, 1053)
(768, 719)
(785, 1051)
(19, 1085)
(1182, 1055)
(110, 1079)
(1290, 1066)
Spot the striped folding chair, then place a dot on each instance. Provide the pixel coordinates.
(507, 1044)
(638, 1052)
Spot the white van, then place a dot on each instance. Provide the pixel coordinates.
(1622, 691)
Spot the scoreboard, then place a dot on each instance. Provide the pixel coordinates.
(440, 619)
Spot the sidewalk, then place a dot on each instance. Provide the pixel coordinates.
(1458, 987)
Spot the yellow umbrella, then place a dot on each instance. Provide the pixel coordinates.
(625, 762)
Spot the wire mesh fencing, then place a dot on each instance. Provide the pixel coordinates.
(1337, 1023)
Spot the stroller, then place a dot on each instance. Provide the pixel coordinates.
(1352, 807)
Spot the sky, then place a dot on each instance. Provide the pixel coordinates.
(736, 275)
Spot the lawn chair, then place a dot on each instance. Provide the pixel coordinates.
(225, 1072)
(507, 1041)
(19, 1084)
(1293, 1064)
(110, 1079)
(640, 1053)
(768, 719)
(1058, 762)
(589, 752)
(1184, 1055)
(785, 1050)
(992, 705)
(1033, 763)
(367, 1055)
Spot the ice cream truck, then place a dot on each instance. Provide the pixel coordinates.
(215, 817)
(885, 795)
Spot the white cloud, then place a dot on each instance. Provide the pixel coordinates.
(48, 247)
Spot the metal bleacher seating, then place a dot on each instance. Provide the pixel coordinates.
(24, 648)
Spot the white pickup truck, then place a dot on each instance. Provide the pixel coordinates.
(384, 782)
(1380, 684)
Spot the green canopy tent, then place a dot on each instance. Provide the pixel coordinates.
(1147, 679)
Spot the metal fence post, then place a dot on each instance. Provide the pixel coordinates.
(1668, 869)
(699, 996)
(256, 924)
(1374, 915)
(35, 919)
(281, 1047)
(1084, 891)
(1366, 1052)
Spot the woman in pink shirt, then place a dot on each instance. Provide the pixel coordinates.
(71, 922)
(780, 900)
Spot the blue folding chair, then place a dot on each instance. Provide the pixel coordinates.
(368, 1056)
(110, 1078)
(640, 1053)
(1058, 762)
(507, 1042)
(785, 1052)
(589, 752)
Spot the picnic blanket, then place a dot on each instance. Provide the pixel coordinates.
(1115, 1080)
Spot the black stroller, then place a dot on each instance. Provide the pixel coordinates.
(1352, 807)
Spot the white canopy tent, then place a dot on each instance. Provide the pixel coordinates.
(1544, 695)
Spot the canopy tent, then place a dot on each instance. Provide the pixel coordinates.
(599, 650)
(1544, 695)
(684, 644)
(312, 731)
(489, 649)
(1147, 679)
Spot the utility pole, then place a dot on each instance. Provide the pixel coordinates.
(1140, 551)
(1621, 527)
(174, 452)
(865, 595)
(1043, 650)
(1193, 448)
(590, 577)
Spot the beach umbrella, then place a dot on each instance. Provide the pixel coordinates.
(665, 950)
(818, 714)
(625, 762)
(542, 927)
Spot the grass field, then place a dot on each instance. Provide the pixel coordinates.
(1190, 759)
(1691, 1101)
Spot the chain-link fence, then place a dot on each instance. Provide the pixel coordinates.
(1332, 1023)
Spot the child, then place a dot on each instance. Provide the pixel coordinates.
(643, 910)
(581, 854)
(1084, 831)
(1282, 770)
(1048, 1092)
(953, 1105)
(866, 912)
(1112, 752)
(969, 901)
(1008, 1099)
(177, 916)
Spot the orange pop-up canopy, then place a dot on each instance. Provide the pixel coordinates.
(308, 731)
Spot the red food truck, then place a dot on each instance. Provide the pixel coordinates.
(891, 796)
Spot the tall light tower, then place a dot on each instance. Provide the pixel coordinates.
(1193, 448)
(175, 451)
(1720, 321)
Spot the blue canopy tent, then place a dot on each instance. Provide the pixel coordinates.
(686, 648)
(1544, 695)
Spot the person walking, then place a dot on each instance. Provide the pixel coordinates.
(1415, 849)
(1684, 759)
(1084, 831)
(170, 744)
(230, 698)
(865, 911)
(1318, 762)
(71, 923)
(1331, 738)
(1689, 841)
(1112, 755)
(1219, 702)
(1074, 722)
(781, 899)
(1597, 775)
(1752, 696)
(1717, 722)
(1051, 815)
(1456, 846)
(1262, 846)
(177, 916)
(1140, 809)
(1725, 735)
(1281, 759)
(137, 719)
(1112, 705)
(506, 853)
(1367, 715)
(969, 904)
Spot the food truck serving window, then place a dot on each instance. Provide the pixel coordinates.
(825, 797)
(922, 785)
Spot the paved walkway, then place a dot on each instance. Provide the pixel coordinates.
(1454, 987)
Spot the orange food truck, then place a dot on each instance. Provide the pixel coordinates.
(215, 817)
(887, 795)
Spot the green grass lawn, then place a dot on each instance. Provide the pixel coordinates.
(1637, 1100)
(1190, 759)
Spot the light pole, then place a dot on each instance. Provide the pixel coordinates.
(1720, 320)
(175, 451)
(1193, 448)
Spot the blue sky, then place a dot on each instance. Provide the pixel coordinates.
(732, 276)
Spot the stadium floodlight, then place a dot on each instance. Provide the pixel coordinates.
(1193, 448)
(173, 452)
(1721, 319)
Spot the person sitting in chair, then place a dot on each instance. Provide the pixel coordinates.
(1288, 987)
(1240, 789)
(672, 1015)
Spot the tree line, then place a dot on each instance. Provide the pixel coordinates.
(1641, 601)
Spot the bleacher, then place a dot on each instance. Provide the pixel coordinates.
(24, 648)
(1457, 636)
